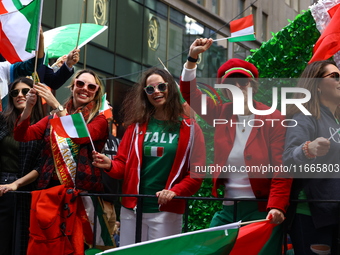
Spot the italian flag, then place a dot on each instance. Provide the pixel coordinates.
(105, 108)
(153, 151)
(70, 126)
(242, 29)
(19, 28)
(226, 239)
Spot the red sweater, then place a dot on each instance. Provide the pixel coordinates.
(265, 146)
(127, 164)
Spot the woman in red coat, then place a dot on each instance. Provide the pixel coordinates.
(243, 142)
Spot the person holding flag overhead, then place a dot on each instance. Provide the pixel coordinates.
(157, 156)
(66, 156)
(242, 145)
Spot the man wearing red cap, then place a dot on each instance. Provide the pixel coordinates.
(241, 146)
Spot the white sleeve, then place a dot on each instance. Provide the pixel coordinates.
(188, 74)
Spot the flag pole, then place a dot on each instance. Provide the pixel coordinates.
(35, 75)
(253, 221)
(81, 21)
(81, 114)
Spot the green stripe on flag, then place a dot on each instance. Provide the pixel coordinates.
(105, 235)
(32, 13)
(79, 124)
(243, 38)
(216, 242)
(17, 4)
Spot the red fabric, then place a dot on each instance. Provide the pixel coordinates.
(328, 43)
(264, 147)
(127, 164)
(54, 228)
(254, 235)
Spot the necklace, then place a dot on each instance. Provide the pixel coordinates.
(245, 120)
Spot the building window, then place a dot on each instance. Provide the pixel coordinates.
(215, 6)
(264, 27)
(241, 4)
(201, 2)
(287, 2)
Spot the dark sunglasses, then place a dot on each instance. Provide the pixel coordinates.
(334, 75)
(15, 92)
(150, 89)
(241, 81)
(90, 86)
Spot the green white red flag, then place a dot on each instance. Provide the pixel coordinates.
(218, 240)
(70, 126)
(242, 29)
(19, 28)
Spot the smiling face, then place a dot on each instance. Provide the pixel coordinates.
(158, 98)
(19, 101)
(84, 95)
(329, 88)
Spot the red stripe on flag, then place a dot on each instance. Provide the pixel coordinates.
(254, 235)
(242, 23)
(58, 127)
(107, 113)
(2, 8)
(160, 151)
(7, 49)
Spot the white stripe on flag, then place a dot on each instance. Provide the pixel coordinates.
(10, 7)
(245, 31)
(15, 24)
(154, 151)
(68, 125)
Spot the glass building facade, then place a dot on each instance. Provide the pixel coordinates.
(139, 32)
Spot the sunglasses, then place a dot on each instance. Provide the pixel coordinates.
(90, 86)
(15, 92)
(242, 81)
(150, 89)
(334, 75)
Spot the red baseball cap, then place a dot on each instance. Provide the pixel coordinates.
(236, 65)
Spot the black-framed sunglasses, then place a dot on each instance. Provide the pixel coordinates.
(334, 75)
(90, 86)
(15, 92)
(241, 81)
(150, 89)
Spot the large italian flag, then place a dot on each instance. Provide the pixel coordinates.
(222, 240)
(19, 28)
(70, 126)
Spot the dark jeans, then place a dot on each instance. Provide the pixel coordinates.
(303, 235)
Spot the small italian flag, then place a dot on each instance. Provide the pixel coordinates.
(153, 151)
(105, 108)
(19, 28)
(242, 29)
(70, 126)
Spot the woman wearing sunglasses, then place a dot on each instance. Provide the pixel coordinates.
(16, 160)
(315, 143)
(249, 142)
(66, 161)
(155, 156)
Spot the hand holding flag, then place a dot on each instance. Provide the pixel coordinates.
(71, 126)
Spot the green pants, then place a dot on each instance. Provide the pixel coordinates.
(248, 211)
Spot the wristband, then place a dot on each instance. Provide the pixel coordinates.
(306, 152)
(190, 59)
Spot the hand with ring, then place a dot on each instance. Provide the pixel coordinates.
(165, 196)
